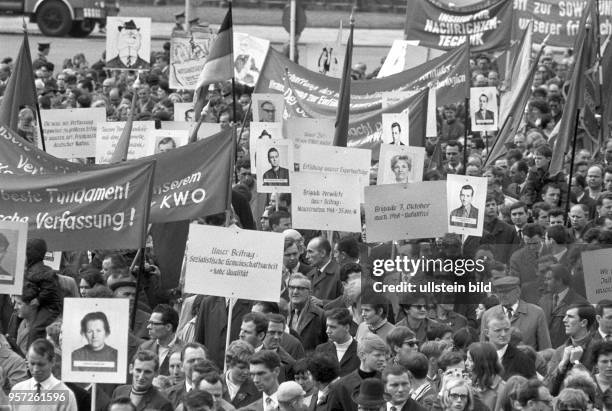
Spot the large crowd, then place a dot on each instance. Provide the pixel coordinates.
(533, 343)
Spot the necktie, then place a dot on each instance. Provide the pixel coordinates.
(269, 405)
(555, 300)
(508, 310)
(520, 234)
(38, 387)
(295, 319)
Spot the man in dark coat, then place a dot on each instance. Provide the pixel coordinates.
(305, 318)
(325, 275)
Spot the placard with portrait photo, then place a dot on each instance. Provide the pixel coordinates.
(484, 108)
(184, 112)
(395, 128)
(274, 173)
(466, 199)
(267, 108)
(95, 340)
(400, 164)
(262, 131)
(128, 43)
(165, 140)
(13, 239)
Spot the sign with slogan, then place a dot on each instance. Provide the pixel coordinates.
(71, 133)
(326, 201)
(108, 135)
(597, 266)
(405, 211)
(53, 259)
(99, 208)
(466, 203)
(188, 52)
(391, 99)
(486, 29)
(333, 160)
(236, 263)
(95, 340)
(310, 130)
(205, 129)
(13, 240)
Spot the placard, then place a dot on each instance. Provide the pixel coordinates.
(303, 130)
(484, 108)
(326, 202)
(400, 164)
(597, 266)
(249, 56)
(188, 53)
(53, 259)
(405, 211)
(184, 112)
(274, 176)
(95, 340)
(128, 43)
(395, 128)
(13, 239)
(71, 133)
(326, 58)
(108, 134)
(267, 108)
(230, 262)
(205, 130)
(466, 203)
(391, 98)
(165, 140)
(261, 132)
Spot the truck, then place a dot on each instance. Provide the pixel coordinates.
(57, 18)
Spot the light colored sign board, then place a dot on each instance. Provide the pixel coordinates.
(165, 140)
(466, 204)
(260, 133)
(400, 164)
(205, 130)
(597, 265)
(13, 239)
(405, 211)
(303, 130)
(405, 54)
(249, 56)
(188, 52)
(391, 98)
(184, 112)
(92, 354)
(53, 259)
(108, 134)
(71, 133)
(274, 172)
(230, 262)
(333, 160)
(268, 108)
(395, 127)
(326, 58)
(484, 110)
(128, 43)
(326, 202)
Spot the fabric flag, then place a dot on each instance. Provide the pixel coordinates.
(20, 90)
(591, 100)
(606, 67)
(520, 60)
(344, 102)
(219, 63)
(121, 149)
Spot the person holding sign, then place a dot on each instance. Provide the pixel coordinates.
(483, 115)
(96, 355)
(467, 214)
(401, 165)
(276, 175)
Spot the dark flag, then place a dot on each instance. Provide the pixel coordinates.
(344, 102)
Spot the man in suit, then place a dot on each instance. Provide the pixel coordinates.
(467, 214)
(396, 133)
(128, 46)
(211, 325)
(162, 330)
(277, 324)
(350, 276)
(240, 388)
(324, 370)
(528, 318)
(264, 368)
(484, 116)
(524, 261)
(506, 240)
(276, 175)
(291, 263)
(191, 354)
(305, 318)
(398, 388)
(325, 275)
(341, 344)
(560, 297)
(142, 392)
(604, 319)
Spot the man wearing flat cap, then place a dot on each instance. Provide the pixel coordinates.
(528, 318)
(43, 52)
(179, 21)
(129, 41)
(290, 397)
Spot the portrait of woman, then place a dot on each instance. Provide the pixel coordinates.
(96, 355)
(401, 165)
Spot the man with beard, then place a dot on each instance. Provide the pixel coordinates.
(128, 46)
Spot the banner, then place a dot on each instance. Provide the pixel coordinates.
(104, 208)
(487, 28)
(188, 52)
(71, 133)
(190, 181)
(108, 134)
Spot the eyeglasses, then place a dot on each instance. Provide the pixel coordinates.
(454, 396)
(297, 288)
(419, 306)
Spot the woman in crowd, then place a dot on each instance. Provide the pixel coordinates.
(485, 369)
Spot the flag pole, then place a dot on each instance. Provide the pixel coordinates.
(602, 102)
(468, 125)
(573, 156)
(39, 118)
(233, 83)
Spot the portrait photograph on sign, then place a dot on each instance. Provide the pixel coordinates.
(275, 158)
(166, 140)
(484, 108)
(128, 43)
(400, 164)
(262, 132)
(249, 56)
(395, 128)
(184, 112)
(94, 339)
(466, 198)
(268, 107)
(13, 239)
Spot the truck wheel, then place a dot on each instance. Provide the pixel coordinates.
(82, 28)
(53, 18)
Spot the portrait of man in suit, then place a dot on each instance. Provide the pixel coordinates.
(4, 248)
(396, 133)
(467, 214)
(128, 48)
(276, 175)
(165, 144)
(484, 115)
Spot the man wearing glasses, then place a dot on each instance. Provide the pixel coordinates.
(416, 316)
(162, 329)
(305, 318)
(267, 112)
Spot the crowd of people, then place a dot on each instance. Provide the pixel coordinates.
(533, 343)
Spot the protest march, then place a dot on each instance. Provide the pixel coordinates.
(228, 224)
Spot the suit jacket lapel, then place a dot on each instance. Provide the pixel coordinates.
(305, 320)
(350, 352)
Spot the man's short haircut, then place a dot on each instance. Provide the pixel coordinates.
(276, 216)
(126, 401)
(36, 248)
(146, 355)
(273, 149)
(289, 242)
(585, 312)
(467, 187)
(544, 150)
(205, 367)
(323, 244)
(43, 347)
(557, 233)
(561, 273)
(556, 212)
(340, 314)
(601, 305)
(299, 277)
(349, 268)
(167, 140)
(450, 358)
(197, 399)
(193, 345)
(276, 318)
(168, 315)
(529, 391)
(554, 186)
(533, 229)
(349, 246)
(323, 367)
(393, 369)
(398, 335)
(496, 315)
(516, 206)
(260, 321)
(239, 352)
(540, 206)
(602, 197)
(602, 348)
(417, 363)
(454, 143)
(484, 95)
(396, 124)
(370, 343)
(97, 315)
(267, 358)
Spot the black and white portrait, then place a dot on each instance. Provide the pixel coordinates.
(128, 43)
(483, 108)
(13, 237)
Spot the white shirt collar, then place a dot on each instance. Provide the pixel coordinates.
(274, 400)
(501, 352)
(322, 269)
(397, 407)
(47, 384)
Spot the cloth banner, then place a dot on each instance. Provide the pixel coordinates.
(104, 208)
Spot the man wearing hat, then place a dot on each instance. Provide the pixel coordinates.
(290, 396)
(43, 52)
(529, 318)
(179, 21)
(129, 41)
(371, 395)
